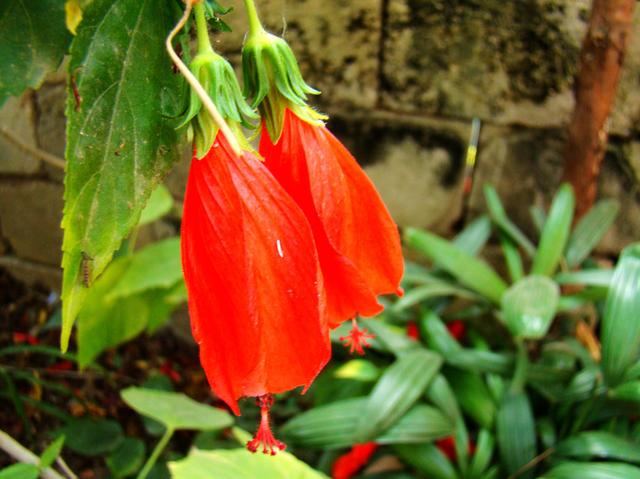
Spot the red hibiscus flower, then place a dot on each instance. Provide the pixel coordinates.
(358, 242)
(252, 274)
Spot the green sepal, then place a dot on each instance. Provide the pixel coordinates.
(217, 77)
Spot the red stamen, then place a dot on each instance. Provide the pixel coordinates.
(357, 339)
(264, 437)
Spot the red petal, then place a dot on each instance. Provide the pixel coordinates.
(358, 242)
(255, 289)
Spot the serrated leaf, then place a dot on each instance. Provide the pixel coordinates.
(592, 470)
(589, 231)
(159, 204)
(428, 459)
(555, 233)
(175, 410)
(52, 452)
(92, 437)
(515, 432)
(332, 426)
(529, 306)
(470, 271)
(33, 40)
(599, 444)
(240, 464)
(155, 266)
(20, 471)
(620, 333)
(119, 140)
(396, 391)
(500, 218)
(127, 458)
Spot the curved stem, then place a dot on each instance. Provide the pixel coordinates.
(204, 44)
(255, 26)
(195, 84)
(48, 158)
(153, 458)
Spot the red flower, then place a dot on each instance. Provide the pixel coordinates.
(347, 465)
(358, 242)
(256, 296)
(447, 446)
(412, 330)
(457, 329)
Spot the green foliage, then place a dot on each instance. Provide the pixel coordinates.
(530, 305)
(52, 452)
(33, 40)
(20, 471)
(240, 464)
(92, 437)
(127, 458)
(119, 140)
(175, 410)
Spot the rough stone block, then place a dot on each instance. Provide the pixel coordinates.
(336, 42)
(511, 62)
(51, 125)
(30, 212)
(17, 116)
(33, 273)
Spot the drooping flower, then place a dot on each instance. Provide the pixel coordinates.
(256, 292)
(357, 241)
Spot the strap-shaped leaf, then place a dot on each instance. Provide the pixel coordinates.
(511, 257)
(587, 277)
(119, 140)
(33, 40)
(590, 230)
(529, 306)
(599, 444)
(555, 233)
(621, 321)
(483, 453)
(474, 236)
(515, 431)
(470, 271)
(500, 218)
(333, 426)
(473, 396)
(396, 391)
(592, 470)
(428, 459)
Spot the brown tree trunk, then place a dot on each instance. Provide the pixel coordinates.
(603, 50)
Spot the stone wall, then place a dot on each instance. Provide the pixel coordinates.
(402, 80)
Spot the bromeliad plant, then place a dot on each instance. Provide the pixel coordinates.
(536, 378)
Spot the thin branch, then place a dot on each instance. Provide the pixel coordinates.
(195, 84)
(532, 463)
(22, 454)
(65, 468)
(53, 160)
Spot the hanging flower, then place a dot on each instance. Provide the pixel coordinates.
(256, 292)
(357, 241)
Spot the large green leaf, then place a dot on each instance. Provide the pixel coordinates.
(332, 426)
(240, 464)
(590, 230)
(428, 459)
(33, 40)
(515, 431)
(175, 410)
(395, 392)
(119, 141)
(555, 233)
(500, 218)
(599, 444)
(127, 458)
(621, 321)
(470, 271)
(92, 437)
(528, 307)
(592, 470)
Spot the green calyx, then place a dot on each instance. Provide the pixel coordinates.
(218, 79)
(273, 82)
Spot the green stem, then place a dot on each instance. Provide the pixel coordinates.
(255, 26)
(204, 44)
(164, 440)
(522, 363)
